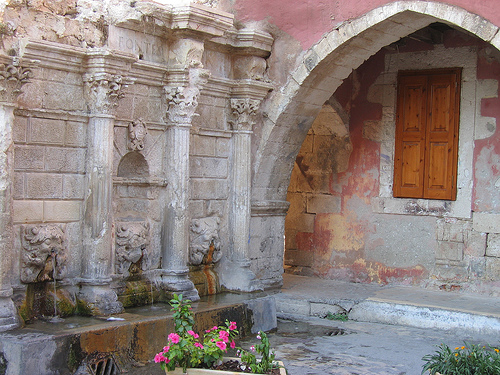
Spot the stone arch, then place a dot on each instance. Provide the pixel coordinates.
(291, 111)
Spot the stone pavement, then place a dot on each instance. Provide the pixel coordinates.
(315, 346)
(390, 328)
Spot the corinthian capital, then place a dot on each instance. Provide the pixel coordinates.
(182, 101)
(103, 91)
(244, 111)
(12, 77)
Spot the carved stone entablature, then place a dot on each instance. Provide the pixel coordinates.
(132, 239)
(103, 90)
(205, 247)
(136, 132)
(183, 101)
(244, 111)
(43, 254)
(12, 77)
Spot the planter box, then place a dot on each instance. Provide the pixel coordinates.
(204, 371)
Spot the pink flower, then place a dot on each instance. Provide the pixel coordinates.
(159, 358)
(232, 345)
(166, 349)
(224, 335)
(252, 348)
(214, 328)
(207, 331)
(174, 338)
(198, 345)
(193, 333)
(232, 326)
(222, 345)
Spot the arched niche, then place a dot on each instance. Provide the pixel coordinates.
(133, 165)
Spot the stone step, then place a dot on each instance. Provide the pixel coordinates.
(375, 310)
(422, 316)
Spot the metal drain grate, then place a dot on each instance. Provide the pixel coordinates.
(337, 332)
(104, 366)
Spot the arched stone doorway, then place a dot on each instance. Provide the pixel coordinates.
(326, 65)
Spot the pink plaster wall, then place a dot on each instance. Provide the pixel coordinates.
(487, 151)
(308, 20)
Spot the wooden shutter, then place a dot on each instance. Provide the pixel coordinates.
(426, 149)
(410, 136)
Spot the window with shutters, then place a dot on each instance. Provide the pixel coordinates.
(426, 145)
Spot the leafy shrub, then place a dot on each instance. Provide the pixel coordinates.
(469, 359)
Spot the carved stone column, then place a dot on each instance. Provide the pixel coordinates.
(236, 274)
(12, 77)
(182, 102)
(102, 90)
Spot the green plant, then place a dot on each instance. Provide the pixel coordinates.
(266, 362)
(184, 348)
(469, 359)
(337, 316)
(183, 317)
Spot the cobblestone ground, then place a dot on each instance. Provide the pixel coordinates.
(320, 346)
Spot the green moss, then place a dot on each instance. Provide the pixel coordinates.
(83, 308)
(24, 312)
(65, 307)
(75, 355)
(137, 293)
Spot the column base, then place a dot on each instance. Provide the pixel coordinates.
(99, 299)
(237, 276)
(174, 281)
(9, 318)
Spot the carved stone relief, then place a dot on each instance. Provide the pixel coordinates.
(136, 132)
(132, 239)
(103, 91)
(12, 78)
(244, 111)
(43, 256)
(205, 247)
(183, 101)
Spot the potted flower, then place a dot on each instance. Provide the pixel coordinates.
(188, 353)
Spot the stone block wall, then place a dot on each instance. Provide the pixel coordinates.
(123, 150)
(49, 159)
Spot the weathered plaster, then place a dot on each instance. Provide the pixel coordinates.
(359, 241)
(308, 21)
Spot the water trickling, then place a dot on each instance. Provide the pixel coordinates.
(153, 307)
(55, 318)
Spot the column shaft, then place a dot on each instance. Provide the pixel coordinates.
(176, 219)
(8, 313)
(97, 218)
(240, 202)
